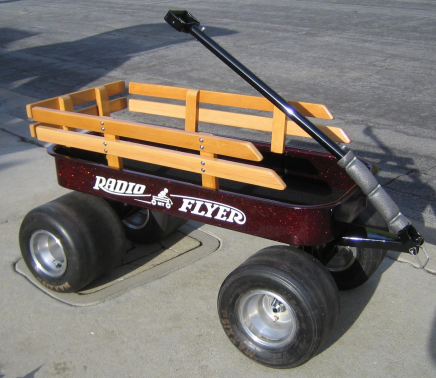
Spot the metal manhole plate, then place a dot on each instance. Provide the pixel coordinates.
(141, 264)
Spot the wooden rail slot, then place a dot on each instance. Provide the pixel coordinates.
(191, 112)
(102, 99)
(174, 159)
(155, 134)
(278, 136)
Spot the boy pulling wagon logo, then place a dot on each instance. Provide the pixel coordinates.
(162, 200)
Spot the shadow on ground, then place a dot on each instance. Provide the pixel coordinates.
(54, 69)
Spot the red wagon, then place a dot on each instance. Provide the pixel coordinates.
(143, 181)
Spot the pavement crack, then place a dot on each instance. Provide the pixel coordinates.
(402, 175)
(23, 139)
(412, 265)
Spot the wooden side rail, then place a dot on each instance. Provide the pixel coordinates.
(155, 134)
(57, 120)
(278, 125)
(227, 99)
(174, 159)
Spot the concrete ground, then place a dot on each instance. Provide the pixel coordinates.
(372, 63)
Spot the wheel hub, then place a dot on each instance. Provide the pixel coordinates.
(267, 318)
(48, 253)
(138, 220)
(343, 259)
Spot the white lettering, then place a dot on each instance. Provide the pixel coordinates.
(139, 189)
(121, 186)
(187, 205)
(237, 216)
(110, 185)
(222, 213)
(211, 207)
(129, 189)
(197, 208)
(99, 182)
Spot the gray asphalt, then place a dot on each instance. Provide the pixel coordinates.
(371, 62)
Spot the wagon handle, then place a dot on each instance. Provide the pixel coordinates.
(184, 21)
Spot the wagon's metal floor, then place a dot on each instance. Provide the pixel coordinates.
(142, 264)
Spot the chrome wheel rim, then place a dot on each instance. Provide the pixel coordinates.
(48, 254)
(343, 259)
(138, 220)
(267, 318)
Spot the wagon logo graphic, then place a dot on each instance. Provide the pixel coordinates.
(211, 209)
(162, 200)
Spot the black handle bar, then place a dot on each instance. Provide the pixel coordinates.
(185, 22)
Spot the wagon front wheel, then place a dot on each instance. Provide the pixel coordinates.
(279, 306)
(70, 241)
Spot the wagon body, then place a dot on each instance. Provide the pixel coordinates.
(315, 207)
(290, 195)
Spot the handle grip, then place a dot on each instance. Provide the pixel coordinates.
(181, 20)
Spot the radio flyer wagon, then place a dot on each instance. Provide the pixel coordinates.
(142, 181)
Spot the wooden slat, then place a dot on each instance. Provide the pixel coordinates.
(208, 181)
(102, 99)
(66, 103)
(33, 127)
(236, 100)
(260, 103)
(191, 110)
(156, 134)
(157, 108)
(52, 103)
(114, 105)
(230, 119)
(228, 99)
(79, 97)
(278, 137)
(337, 134)
(205, 115)
(174, 159)
(312, 110)
(160, 91)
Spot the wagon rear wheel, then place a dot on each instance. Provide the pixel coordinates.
(70, 241)
(279, 306)
(351, 266)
